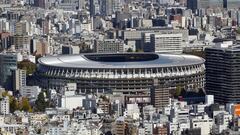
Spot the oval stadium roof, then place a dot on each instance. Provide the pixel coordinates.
(120, 60)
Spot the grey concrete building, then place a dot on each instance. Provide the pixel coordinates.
(109, 46)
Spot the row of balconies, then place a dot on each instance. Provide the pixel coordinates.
(87, 74)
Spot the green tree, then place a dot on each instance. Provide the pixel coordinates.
(14, 105)
(5, 93)
(28, 66)
(40, 103)
(26, 105)
(178, 91)
(139, 50)
(238, 31)
(129, 50)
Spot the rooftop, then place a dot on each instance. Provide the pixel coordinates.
(120, 60)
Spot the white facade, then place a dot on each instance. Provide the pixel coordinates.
(148, 128)
(85, 26)
(4, 105)
(167, 43)
(209, 99)
(69, 89)
(71, 102)
(30, 91)
(176, 126)
(199, 108)
(204, 123)
(75, 49)
(133, 111)
(19, 79)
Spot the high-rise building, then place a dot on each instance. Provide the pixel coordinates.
(81, 4)
(231, 4)
(198, 4)
(93, 5)
(222, 72)
(8, 63)
(39, 46)
(22, 28)
(166, 43)
(22, 42)
(159, 94)
(19, 79)
(106, 7)
(5, 42)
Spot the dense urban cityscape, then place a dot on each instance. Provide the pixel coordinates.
(120, 67)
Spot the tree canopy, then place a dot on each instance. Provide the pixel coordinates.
(238, 31)
(28, 66)
(40, 103)
(129, 50)
(26, 105)
(15, 104)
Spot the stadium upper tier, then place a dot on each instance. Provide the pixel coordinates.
(122, 61)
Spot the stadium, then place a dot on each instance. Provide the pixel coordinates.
(127, 73)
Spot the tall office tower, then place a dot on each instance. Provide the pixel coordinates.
(8, 63)
(22, 28)
(19, 79)
(231, 4)
(92, 7)
(5, 41)
(159, 94)
(4, 25)
(81, 4)
(167, 43)
(106, 7)
(222, 72)
(198, 4)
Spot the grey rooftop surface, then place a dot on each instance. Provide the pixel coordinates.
(83, 61)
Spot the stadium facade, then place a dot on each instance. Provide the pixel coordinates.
(127, 73)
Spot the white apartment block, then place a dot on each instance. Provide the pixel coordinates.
(167, 43)
(4, 105)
